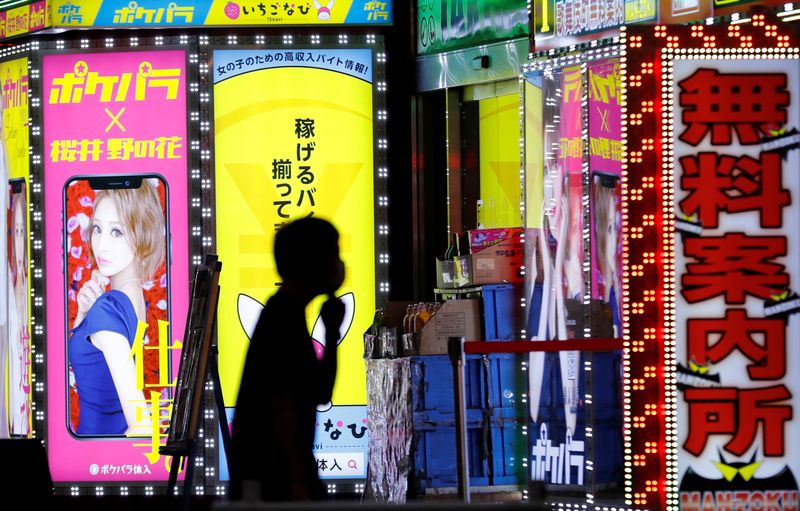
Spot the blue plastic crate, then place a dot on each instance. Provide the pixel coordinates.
(502, 313)
(502, 447)
(432, 383)
(434, 456)
(501, 375)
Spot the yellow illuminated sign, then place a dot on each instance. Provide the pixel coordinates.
(259, 142)
(499, 162)
(534, 156)
(15, 360)
(14, 76)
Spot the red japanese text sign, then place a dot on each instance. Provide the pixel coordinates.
(736, 246)
(710, 252)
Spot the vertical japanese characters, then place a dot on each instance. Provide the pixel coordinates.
(114, 91)
(733, 198)
(303, 180)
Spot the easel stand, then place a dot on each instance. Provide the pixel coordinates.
(188, 453)
(199, 361)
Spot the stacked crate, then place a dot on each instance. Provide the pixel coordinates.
(495, 420)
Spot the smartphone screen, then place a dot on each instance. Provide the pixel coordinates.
(116, 285)
(19, 338)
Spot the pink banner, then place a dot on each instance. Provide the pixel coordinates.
(568, 222)
(123, 115)
(605, 165)
(605, 124)
(38, 16)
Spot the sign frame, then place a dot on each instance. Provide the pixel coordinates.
(649, 173)
(195, 247)
(380, 142)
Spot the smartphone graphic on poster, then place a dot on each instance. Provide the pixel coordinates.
(19, 338)
(117, 296)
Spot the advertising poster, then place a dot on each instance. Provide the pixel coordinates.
(683, 11)
(533, 187)
(605, 164)
(164, 13)
(605, 213)
(736, 268)
(294, 137)
(335, 459)
(538, 255)
(566, 225)
(557, 451)
(558, 383)
(117, 292)
(15, 336)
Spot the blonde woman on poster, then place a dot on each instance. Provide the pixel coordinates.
(19, 390)
(605, 225)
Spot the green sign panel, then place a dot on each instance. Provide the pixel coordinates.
(450, 24)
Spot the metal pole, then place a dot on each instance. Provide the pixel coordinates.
(455, 348)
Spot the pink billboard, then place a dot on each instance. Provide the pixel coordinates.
(568, 222)
(605, 117)
(115, 164)
(605, 166)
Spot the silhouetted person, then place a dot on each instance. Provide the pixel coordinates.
(283, 381)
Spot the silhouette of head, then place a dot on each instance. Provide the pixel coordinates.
(307, 254)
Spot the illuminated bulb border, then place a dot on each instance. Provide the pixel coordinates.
(37, 315)
(546, 68)
(663, 187)
(201, 184)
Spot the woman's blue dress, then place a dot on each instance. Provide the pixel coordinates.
(100, 409)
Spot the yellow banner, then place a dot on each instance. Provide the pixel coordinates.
(261, 156)
(14, 82)
(499, 162)
(15, 360)
(534, 156)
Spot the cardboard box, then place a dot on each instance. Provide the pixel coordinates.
(499, 264)
(480, 239)
(455, 318)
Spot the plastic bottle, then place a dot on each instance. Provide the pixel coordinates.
(426, 316)
(407, 319)
(422, 317)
